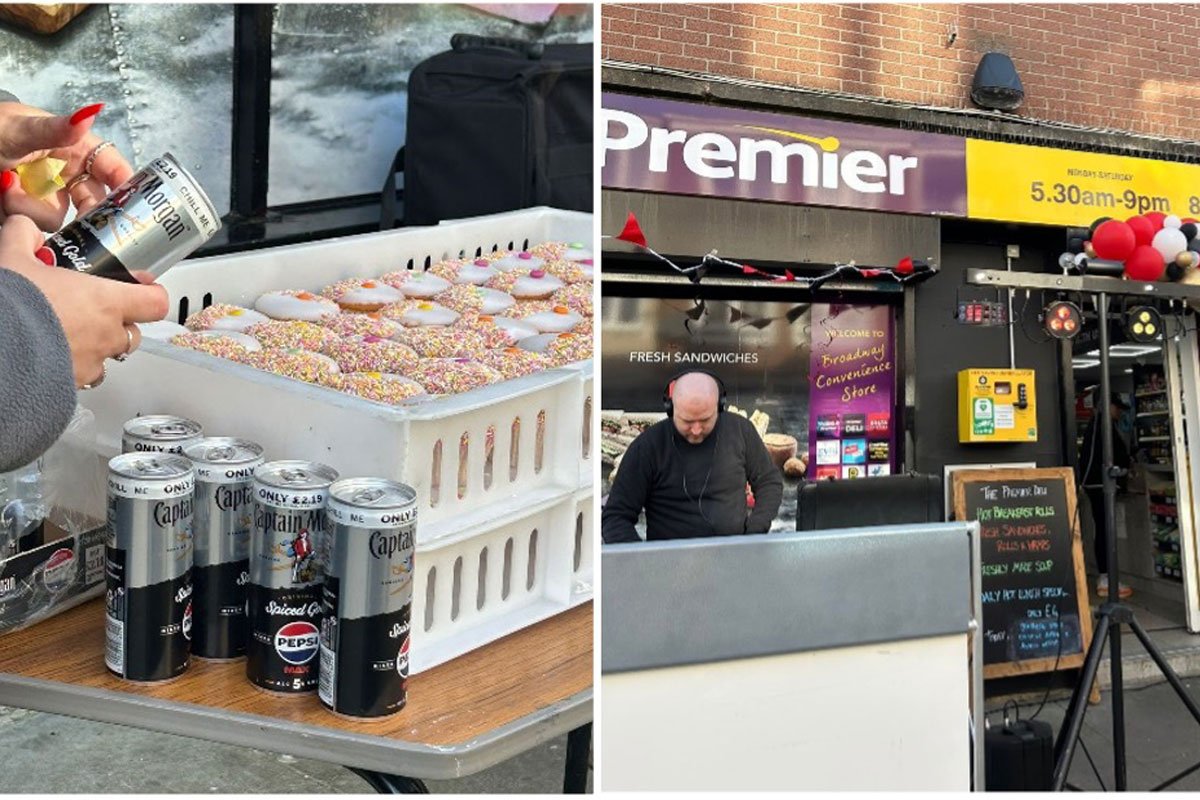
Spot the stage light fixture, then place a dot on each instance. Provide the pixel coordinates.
(1143, 324)
(1063, 319)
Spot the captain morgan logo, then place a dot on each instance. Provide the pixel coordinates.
(296, 642)
(777, 155)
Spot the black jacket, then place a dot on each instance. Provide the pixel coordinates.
(693, 490)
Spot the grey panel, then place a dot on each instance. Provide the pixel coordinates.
(330, 745)
(703, 600)
(750, 230)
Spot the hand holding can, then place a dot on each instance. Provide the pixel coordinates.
(149, 223)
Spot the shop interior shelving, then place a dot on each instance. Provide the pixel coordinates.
(1152, 432)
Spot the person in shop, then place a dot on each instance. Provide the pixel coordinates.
(1091, 464)
(689, 472)
(57, 326)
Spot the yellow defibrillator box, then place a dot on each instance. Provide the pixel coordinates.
(996, 405)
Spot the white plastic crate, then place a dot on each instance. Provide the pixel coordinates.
(468, 503)
(488, 582)
(537, 422)
(585, 531)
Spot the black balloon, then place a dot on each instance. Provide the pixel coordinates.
(1194, 244)
(1075, 244)
(1174, 271)
(1188, 229)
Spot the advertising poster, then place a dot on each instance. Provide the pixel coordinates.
(852, 399)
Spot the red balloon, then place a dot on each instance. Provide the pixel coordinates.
(1114, 240)
(1143, 230)
(1186, 220)
(1156, 219)
(1144, 264)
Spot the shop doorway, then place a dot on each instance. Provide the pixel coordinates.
(1153, 514)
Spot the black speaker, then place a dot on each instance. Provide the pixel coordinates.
(862, 502)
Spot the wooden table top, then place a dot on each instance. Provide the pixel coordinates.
(450, 705)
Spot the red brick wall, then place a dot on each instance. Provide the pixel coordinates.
(1130, 67)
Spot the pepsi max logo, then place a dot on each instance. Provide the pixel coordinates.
(187, 621)
(402, 658)
(296, 642)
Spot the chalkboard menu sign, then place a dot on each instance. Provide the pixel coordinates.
(1035, 606)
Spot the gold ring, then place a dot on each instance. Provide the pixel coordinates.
(78, 179)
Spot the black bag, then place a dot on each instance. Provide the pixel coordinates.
(881, 500)
(495, 125)
(1019, 757)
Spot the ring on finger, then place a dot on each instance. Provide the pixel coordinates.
(129, 348)
(98, 381)
(78, 179)
(90, 161)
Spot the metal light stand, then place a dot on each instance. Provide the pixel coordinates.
(1111, 616)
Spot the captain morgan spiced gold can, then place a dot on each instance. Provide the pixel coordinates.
(149, 223)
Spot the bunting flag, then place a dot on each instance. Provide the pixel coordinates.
(906, 270)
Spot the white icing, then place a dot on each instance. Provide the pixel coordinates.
(515, 328)
(528, 286)
(278, 305)
(553, 322)
(379, 295)
(238, 322)
(474, 274)
(514, 261)
(424, 285)
(163, 330)
(539, 343)
(436, 314)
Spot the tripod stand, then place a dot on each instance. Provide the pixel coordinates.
(1111, 615)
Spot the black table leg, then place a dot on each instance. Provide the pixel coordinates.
(383, 783)
(579, 742)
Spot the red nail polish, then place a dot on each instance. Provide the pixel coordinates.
(85, 113)
(7, 179)
(45, 255)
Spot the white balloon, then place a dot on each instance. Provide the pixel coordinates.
(1172, 222)
(1081, 259)
(1066, 260)
(1169, 242)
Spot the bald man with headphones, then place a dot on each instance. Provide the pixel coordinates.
(689, 472)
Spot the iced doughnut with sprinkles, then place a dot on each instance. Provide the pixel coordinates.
(513, 362)
(290, 304)
(536, 285)
(576, 296)
(284, 334)
(453, 375)
(428, 313)
(362, 294)
(438, 342)
(416, 283)
(372, 323)
(372, 354)
(522, 261)
(559, 319)
(301, 365)
(380, 387)
(233, 345)
(465, 297)
(224, 317)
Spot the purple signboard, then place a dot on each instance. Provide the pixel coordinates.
(852, 394)
(684, 148)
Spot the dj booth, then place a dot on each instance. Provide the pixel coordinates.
(819, 660)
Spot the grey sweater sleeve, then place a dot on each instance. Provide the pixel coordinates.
(37, 380)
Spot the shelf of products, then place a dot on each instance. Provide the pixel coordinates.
(1153, 438)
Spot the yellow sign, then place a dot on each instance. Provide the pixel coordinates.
(1047, 186)
(996, 405)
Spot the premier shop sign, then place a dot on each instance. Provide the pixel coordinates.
(685, 148)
